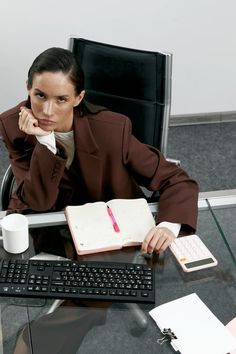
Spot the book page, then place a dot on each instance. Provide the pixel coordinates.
(91, 227)
(133, 217)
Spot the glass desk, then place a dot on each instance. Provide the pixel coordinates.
(225, 216)
(34, 326)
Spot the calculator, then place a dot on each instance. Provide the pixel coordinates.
(192, 254)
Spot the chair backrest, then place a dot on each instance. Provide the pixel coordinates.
(6, 188)
(133, 82)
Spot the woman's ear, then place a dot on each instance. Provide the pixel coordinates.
(79, 98)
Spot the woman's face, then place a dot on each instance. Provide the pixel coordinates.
(53, 98)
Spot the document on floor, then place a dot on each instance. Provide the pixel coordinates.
(194, 328)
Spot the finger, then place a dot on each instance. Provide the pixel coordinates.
(25, 109)
(21, 121)
(164, 245)
(165, 238)
(160, 239)
(147, 240)
(24, 122)
(40, 131)
(22, 116)
(153, 241)
(27, 122)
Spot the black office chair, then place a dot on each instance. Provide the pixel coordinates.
(7, 187)
(133, 82)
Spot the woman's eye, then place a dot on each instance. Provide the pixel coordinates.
(61, 99)
(39, 94)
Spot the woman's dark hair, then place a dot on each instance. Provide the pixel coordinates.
(59, 59)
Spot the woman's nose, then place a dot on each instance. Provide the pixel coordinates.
(48, 108)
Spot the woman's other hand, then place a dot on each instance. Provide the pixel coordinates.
(157, 240)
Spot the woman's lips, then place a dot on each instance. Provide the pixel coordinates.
(45, 122)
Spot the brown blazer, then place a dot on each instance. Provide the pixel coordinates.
(109, 162)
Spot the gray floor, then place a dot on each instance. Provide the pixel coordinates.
(206, 151)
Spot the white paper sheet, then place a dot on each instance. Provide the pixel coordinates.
(197, 329)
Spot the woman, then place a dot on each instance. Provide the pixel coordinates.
(65, 151)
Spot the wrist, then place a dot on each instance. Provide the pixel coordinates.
(49, 141)
(173, 227)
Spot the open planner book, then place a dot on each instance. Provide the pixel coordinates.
(97, 227)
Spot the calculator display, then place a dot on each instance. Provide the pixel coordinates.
(199, 263)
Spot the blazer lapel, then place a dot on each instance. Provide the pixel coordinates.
(88, 155)
(30, 139)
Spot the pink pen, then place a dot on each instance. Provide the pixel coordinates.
(114, 223)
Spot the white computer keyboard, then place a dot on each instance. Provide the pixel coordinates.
(192, 254)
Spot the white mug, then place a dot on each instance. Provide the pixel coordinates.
(15, 233)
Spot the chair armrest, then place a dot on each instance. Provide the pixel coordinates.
(176, 162)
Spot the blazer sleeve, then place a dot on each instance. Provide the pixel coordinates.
(37, 170)
(178, 201)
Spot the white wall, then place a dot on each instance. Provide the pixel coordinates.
(200, 34)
